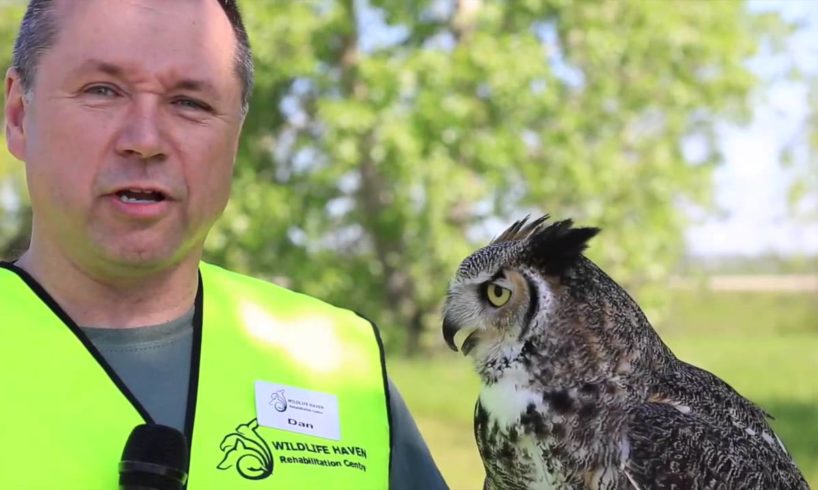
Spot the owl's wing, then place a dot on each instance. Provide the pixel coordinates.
(670, 448)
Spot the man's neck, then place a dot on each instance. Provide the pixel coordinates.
(136, 300)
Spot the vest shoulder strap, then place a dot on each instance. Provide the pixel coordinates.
(61, 400)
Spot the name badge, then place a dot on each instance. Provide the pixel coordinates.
(297, 410)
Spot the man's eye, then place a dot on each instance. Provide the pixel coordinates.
(192, 104)
(101, 90)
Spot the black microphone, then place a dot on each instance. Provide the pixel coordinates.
(155, 458)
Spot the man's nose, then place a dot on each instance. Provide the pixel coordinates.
(142, 133)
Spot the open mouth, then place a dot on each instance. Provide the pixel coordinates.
(140, 196)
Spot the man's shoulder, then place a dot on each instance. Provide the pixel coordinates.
(213, 273)
(260, 299)
(12, 284)
(249, 287)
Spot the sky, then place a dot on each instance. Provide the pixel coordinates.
(751, 187)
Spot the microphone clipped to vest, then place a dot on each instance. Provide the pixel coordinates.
(155, 458)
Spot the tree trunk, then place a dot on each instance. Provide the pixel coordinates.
(375, 197)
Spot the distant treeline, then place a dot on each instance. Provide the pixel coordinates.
(770, 263)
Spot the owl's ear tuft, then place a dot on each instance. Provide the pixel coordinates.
(557, 247)
(521, 229)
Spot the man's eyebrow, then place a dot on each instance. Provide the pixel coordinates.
(103, 66)
(190, 84)
(194, 85)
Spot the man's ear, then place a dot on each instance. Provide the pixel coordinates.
(15, 112)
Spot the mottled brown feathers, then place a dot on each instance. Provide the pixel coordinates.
(578, 392)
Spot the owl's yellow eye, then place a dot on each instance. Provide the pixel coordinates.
(497, 295)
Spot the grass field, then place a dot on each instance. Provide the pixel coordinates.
(765, 345)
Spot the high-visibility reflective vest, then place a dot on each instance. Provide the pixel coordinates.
(285, 392)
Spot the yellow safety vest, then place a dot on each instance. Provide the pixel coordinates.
(285, 392)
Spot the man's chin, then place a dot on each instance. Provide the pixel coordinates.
(160, 248)
(135, 259)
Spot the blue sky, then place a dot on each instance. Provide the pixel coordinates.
(751, 187)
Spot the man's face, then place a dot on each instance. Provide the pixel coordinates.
(131, 130)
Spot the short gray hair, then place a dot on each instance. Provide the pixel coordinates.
(39, 30)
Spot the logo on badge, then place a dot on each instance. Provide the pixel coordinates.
(279, 401)
(247, 451)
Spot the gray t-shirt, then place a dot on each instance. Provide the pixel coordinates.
(154, 363)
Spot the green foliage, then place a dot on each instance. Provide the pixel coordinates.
(375, 158)
(385, 166)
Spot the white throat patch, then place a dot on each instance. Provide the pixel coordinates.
(509, 397)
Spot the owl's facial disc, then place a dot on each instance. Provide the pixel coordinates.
(464, 332)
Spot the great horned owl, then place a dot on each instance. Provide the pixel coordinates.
(577, 389)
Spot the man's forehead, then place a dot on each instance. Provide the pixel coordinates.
(156, 44)
(153, 5)
(126, 32)
(96, 14)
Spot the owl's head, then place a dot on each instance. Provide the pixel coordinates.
(532, 288)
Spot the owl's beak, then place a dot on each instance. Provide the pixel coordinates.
(457, 338)
(449, 329)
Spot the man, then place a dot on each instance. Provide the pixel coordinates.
(127, 114)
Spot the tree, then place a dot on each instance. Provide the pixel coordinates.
(388, 140)
(397, 148)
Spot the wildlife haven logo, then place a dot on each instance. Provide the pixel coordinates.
(279, 401)
(248, 452)
(253, 458)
